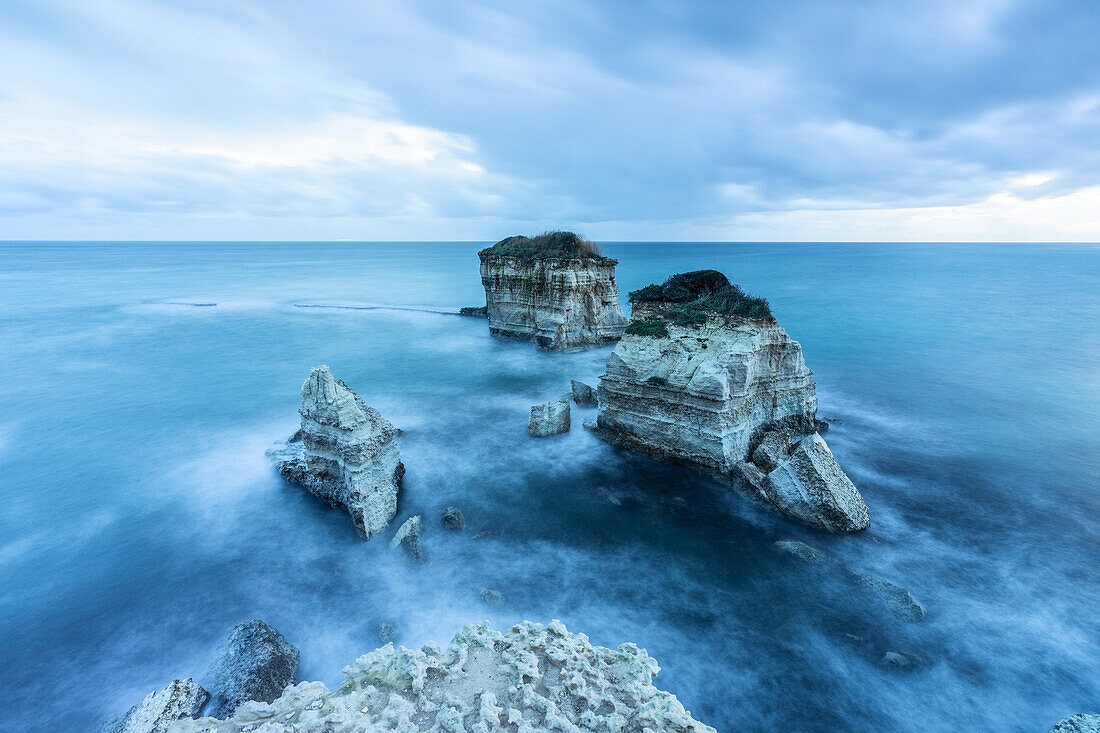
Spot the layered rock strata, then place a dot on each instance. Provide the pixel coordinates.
(554, 289)
(549, 418)
(347, 455)
(532, 678)
(701, 375)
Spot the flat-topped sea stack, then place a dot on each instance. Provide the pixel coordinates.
(555, 289)
(348, 455)
(702, 376)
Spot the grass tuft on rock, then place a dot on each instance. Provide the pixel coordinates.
(691, 296)
(553, 244)
(652, 328)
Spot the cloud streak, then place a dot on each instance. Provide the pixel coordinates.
(394, 120)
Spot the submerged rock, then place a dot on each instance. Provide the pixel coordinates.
(554, 289)
(348, 454)
(492, 597)
(1080, 723)
(701, 376)
(810, 486)
(181, 699)
(896, 660)
(899, 600)
(805, 553)
(453, 518)
(532, 678)
(387, 633)
(253, 663)
(583, 395)
(407, 538)
(549, 418)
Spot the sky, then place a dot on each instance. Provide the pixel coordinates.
(939, 120)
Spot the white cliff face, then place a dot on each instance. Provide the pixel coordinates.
(559, 303)
(349, 455)
(702, 393)
(533, 678)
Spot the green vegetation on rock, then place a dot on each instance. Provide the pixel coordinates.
(690, 296)
(556, 244)
(647, 328)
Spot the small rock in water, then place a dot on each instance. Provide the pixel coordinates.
(897, 660)
(254, 662)
(474, 311)
(1080, 723)
(584, 395)
(899, 600)
(802, 551)
(408, 538)
(492, 597)
(387, 633)
(549, 418)
(181, 699)
(453, 518)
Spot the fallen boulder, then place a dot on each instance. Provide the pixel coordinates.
(549, 418)
(773, 449)
(253, 663)
(584, 395)
(810, 486)
(407, 538)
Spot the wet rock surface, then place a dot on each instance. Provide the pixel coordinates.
(453, 518)
(583, 395)
(407, 538)
(253, 663)
(531, 678)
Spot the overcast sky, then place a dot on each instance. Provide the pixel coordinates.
(964, 120)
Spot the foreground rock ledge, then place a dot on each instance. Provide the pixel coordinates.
(348, 453)
(533, 678)
(554, 289)
(701, 376)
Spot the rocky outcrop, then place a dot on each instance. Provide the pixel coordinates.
(701, 376)
(554, 289)
(407, 537)
(1080, 723)
(181, 699)
(473, 311)
(583, 395)
(549, 418)
(254, 662)
(347, 455)
(532, 678)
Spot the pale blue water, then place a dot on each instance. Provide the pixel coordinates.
(139, 518)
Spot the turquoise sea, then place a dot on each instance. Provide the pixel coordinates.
(140, 518)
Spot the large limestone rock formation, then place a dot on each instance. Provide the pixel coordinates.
(554, 289)
(254, 662)
(701, 375)
(532, 678)
(348, 453)
(181, 699)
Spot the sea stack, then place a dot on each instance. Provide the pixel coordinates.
(348, 453)
(702, 376)
(555, 289)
